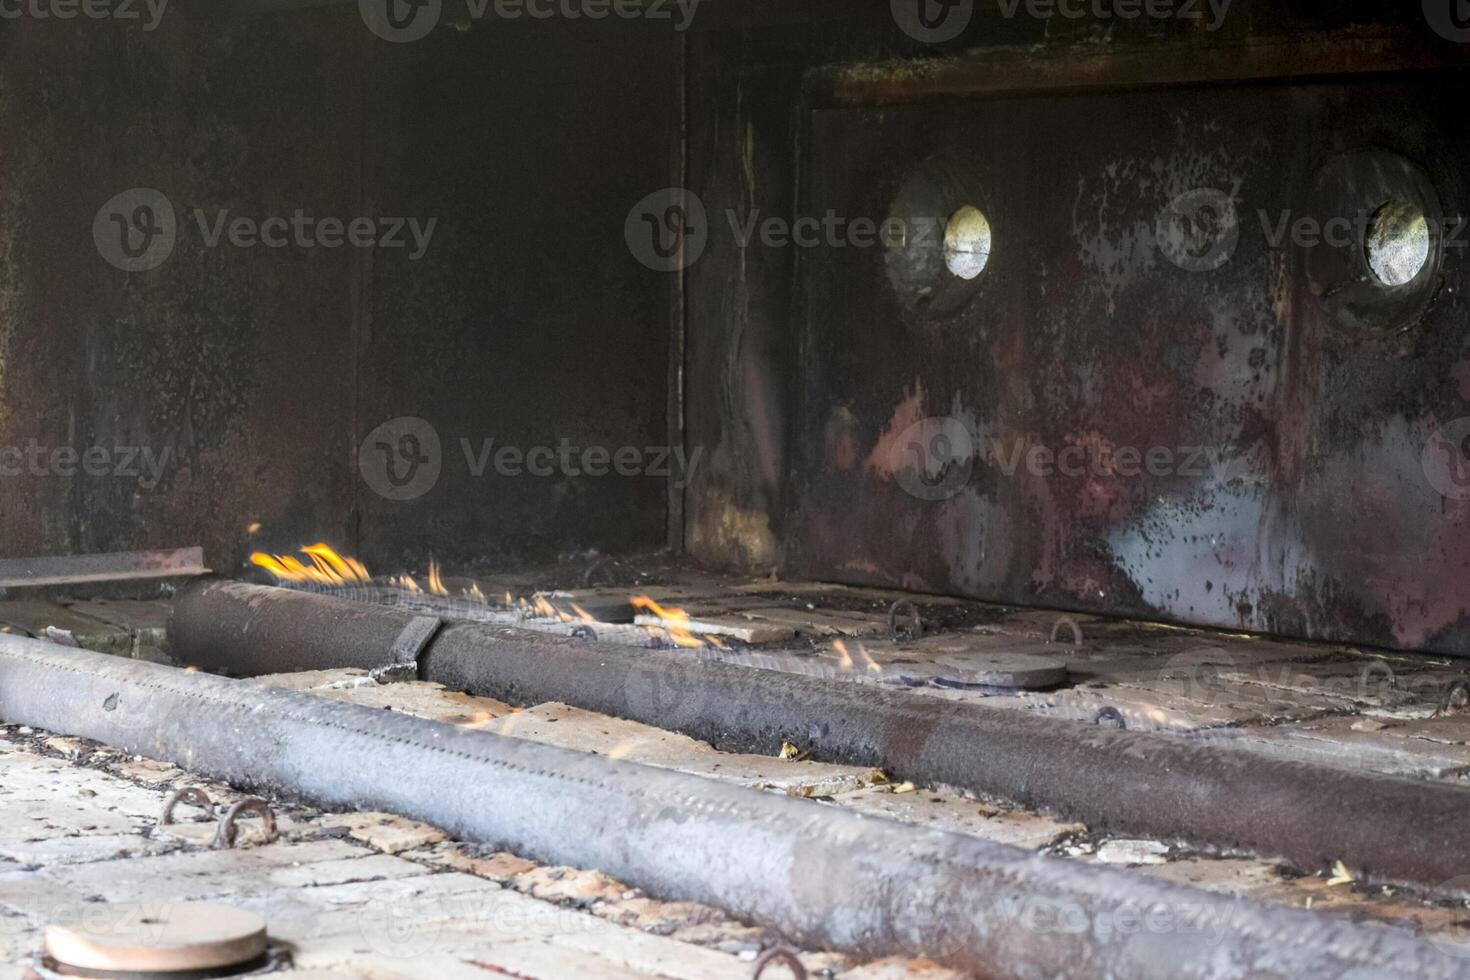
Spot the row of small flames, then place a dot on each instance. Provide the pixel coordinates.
(323, 566)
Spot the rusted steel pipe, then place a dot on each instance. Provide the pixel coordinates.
(1389, 828)
(823, 876)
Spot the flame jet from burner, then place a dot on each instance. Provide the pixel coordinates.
(675, 622)
(330, 569)
(327, 567)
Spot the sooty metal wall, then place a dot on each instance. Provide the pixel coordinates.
(802, 377)
(254, 374)
(1103, 419)
(1306, 414)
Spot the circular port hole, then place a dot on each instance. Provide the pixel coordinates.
(1397, 243)
(967, 242)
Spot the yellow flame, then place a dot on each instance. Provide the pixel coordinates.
(349, 569)
(674, 621)
(327, 567)
(543, 608)
(473, 592)
(436, 582)
(405, 582)
(841, 648)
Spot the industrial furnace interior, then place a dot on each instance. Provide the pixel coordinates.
(734, 488)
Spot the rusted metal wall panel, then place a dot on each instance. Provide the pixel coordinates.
(1245, 436)
(755, 65)
(253, 375)
(1338, 534)
(222, 367)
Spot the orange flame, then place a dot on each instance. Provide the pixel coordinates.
(849, 664)
(674, 621)
(327, 567)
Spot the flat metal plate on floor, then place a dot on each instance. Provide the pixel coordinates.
(172, 938)
(999, 670)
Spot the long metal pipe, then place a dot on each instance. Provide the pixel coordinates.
(823, 876)
(1390, 828)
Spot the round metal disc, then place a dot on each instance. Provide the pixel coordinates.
(126, 938)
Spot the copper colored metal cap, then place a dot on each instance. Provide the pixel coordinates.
(147, 938)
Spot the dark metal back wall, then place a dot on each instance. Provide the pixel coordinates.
(233, 386)
(1145, 403)
(1308, 423)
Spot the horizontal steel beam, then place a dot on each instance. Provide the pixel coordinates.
(1010, 72)
(1389, 828)
(823, 876)
(119, 567)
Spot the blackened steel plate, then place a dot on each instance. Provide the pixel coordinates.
(1141, 406)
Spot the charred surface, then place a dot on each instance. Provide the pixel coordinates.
(1396, 829)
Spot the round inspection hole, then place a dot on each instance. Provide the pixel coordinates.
(1397, 243)
(967, 242)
